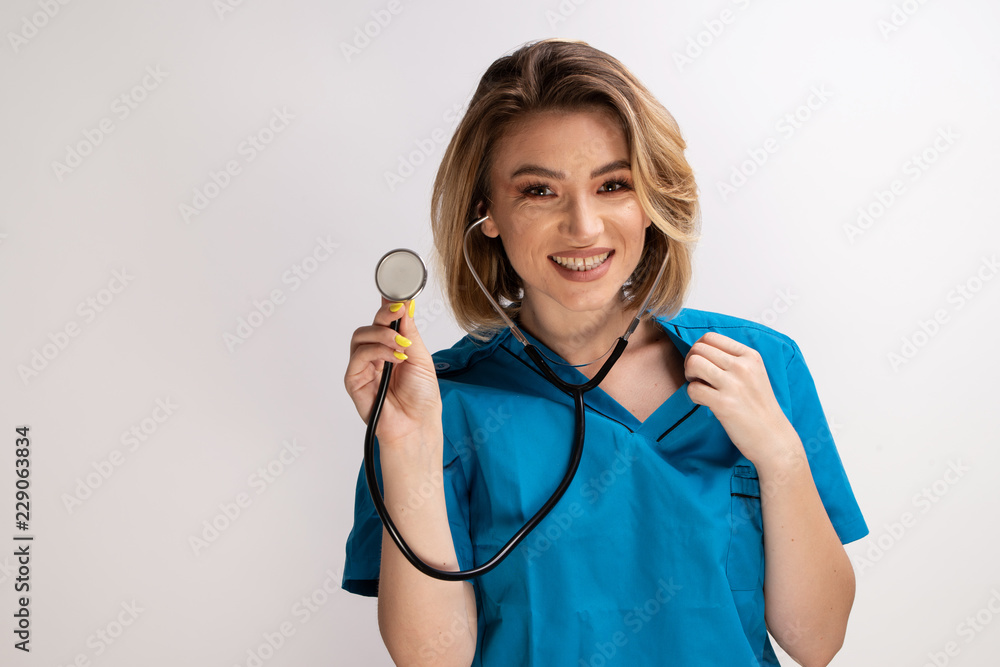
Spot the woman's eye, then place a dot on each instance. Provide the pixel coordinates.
(538, 190)
(614, 186)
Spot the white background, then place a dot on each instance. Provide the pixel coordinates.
(777, 250)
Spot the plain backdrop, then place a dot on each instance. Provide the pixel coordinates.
(193, 196)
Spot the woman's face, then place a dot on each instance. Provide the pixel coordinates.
(564, 208)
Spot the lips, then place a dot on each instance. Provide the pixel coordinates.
(584, 263)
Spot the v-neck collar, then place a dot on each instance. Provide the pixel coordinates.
(668, 415)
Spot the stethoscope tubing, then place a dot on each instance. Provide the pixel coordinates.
(574, 390)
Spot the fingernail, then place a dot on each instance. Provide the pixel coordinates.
(400, 356)
(403, 341)
(413, 307)
(394, 308)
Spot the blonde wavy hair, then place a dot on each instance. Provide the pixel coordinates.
(557, 74)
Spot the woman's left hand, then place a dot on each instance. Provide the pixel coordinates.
(729, 378)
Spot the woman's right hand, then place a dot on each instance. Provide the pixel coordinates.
(413, 401)
(414, 610)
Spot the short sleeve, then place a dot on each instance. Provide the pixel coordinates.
(824, 461)
(364, 544)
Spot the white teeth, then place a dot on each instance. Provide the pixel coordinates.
(581, 263)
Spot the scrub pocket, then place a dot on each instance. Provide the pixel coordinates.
(745, 563)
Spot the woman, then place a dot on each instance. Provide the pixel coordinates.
(710, 480)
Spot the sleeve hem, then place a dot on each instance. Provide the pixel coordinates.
(366, 587)
(852, 530)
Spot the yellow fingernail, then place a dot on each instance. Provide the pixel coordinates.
(403, 341)
(394, 308)
(400, 356)
(413, 307)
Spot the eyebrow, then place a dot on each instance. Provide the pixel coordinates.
(536, 170)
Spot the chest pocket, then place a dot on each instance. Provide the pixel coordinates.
(745, 562)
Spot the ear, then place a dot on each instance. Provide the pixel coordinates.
(489, 226)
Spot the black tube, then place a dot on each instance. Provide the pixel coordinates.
(576, 391)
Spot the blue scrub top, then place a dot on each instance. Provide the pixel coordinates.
(655, 554)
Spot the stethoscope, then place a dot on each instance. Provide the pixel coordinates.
(401, 275)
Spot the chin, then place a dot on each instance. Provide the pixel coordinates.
(594, 301)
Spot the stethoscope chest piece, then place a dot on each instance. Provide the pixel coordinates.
(400, 275)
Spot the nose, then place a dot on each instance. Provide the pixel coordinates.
(583, 223)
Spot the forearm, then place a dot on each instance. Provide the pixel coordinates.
(424, 621)
(808, 581)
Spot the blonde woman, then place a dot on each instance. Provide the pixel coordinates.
(710, 505)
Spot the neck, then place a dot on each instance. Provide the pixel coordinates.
(578, 337)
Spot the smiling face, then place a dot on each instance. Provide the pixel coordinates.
(564, 208)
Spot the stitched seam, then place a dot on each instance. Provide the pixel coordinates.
(770, 333)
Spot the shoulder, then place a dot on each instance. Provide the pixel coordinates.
(475, 378)
(468, 358)
(691, 324)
